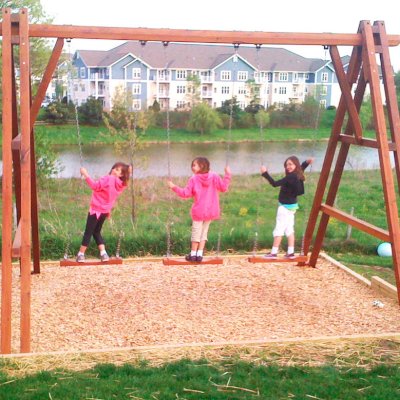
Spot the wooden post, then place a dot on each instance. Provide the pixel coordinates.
(6, 263)
(389, 192)
(26, 182)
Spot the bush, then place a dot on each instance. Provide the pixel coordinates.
(59, 112)
(245, 120)
(91, 112)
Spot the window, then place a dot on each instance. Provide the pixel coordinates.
(324, 90)
(225, 75)
(225, 90)
(83, 87)
(136, 104)
(136, 89)
(181, 74)
(180, 104)
(82, 72)
(322, 103)
(163, 75)
(243, 75)
(282, 90)
(307, 77)
(76, 87)
(242, 105)
(270, 76)
(324, 77)
(283, 76)
(136, 73)
(181, 89)
(242, 90)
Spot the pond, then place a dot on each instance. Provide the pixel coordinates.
(244, 158)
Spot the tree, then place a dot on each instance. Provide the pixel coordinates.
(40, 49)
(58, 112)
(366, 113)
(254, 107)
(91, 111)
(253, 91)
(310, 111)
(229, 107)
(193, 92)
(262, 118)
(204, 119)
(47, 164)
(128, 127)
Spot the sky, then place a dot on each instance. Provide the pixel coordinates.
(341, 16)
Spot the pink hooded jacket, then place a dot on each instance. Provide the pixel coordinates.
(204, 188)
(105, 193)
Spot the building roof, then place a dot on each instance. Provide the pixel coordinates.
(201, 56)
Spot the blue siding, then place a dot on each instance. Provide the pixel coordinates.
(234, 67)
(78, 63)
(143, 92)
(137, 64)
(117, 70)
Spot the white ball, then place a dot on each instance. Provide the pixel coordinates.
(384, 250)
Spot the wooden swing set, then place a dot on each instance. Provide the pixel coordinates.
(20, 111)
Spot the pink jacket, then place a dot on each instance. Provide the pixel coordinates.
(204, 188)
(105, 193)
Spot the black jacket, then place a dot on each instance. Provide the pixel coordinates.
(291, 186)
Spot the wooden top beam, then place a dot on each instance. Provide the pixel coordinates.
(199, 36)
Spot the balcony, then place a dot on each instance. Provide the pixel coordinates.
(164, 78)
(97, 76)
(206, 94)
(163, 93)
(205, 78)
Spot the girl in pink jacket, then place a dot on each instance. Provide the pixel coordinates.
(105, 193)
(203, 186)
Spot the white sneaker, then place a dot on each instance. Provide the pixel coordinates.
(271, 256)
(80, 258)
(104, 257)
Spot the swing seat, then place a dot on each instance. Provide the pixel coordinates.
(260, 259)
(73, 263)
(182, 261)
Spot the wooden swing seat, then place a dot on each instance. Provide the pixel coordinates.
(73, 263)
(259, 259)
(182, 261)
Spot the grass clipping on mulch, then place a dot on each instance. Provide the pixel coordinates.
(341, 353)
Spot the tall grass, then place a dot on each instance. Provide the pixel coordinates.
(201, 380)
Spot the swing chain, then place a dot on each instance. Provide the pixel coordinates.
(67, 245)
(118, 249)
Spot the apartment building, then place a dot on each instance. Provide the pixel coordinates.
(154, 71)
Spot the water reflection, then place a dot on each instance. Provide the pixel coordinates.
(244, 158)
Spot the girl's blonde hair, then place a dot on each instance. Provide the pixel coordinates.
(298, 170)
(124, 169)
(203, 163)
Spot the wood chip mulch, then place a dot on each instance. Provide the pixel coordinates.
(147, 303)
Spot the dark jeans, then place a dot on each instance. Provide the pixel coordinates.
(93, 228)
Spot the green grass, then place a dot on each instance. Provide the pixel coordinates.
(187, 379)
(67, 134)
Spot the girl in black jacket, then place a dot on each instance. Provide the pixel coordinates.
(292, 185)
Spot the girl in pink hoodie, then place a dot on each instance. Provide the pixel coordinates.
(105, 193)
(203, 186)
